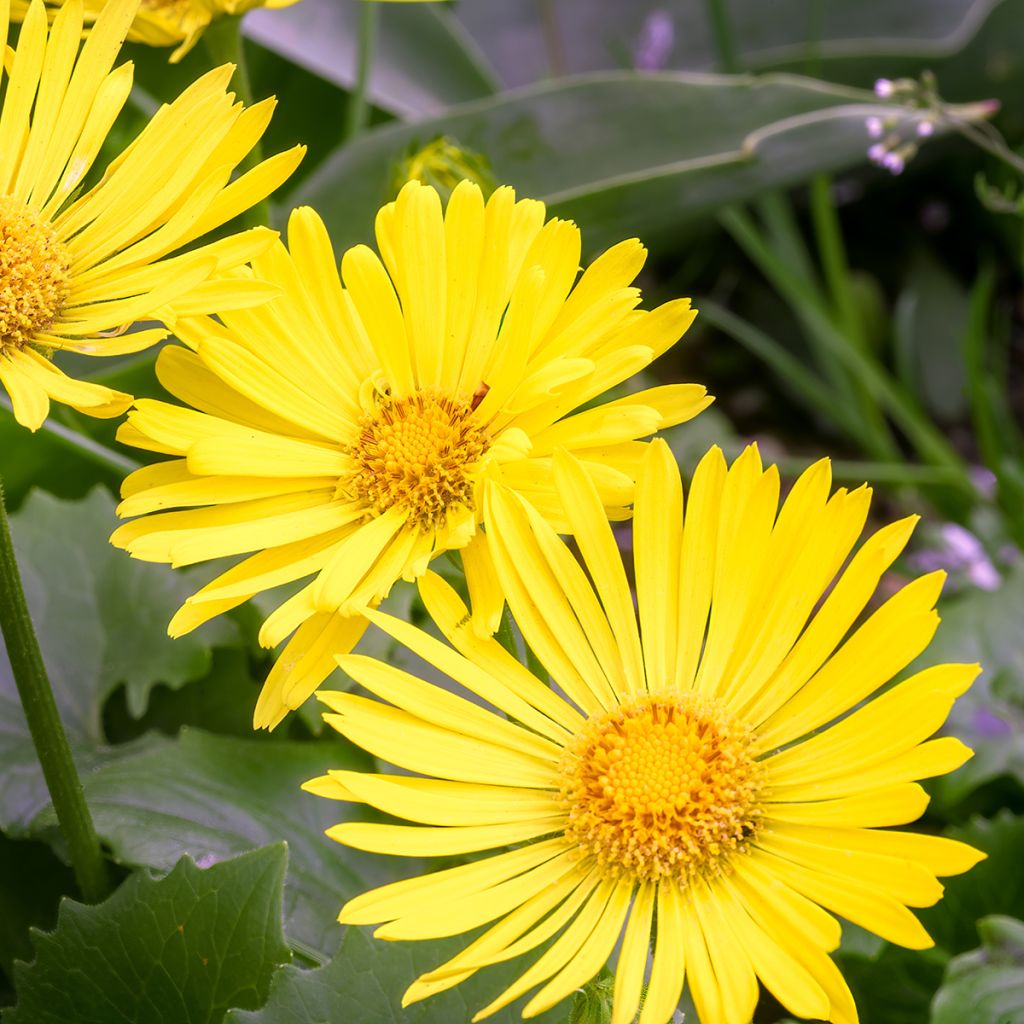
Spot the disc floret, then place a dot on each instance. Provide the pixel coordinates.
(34, 274)
(664, 785)
(417, 454)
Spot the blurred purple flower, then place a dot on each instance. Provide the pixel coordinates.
(966, 552)
(893, 162)
(988, 724)
(960, 552)
(984, 481)
(655, 42)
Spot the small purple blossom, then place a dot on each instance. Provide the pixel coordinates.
(984, 480)
(925, 128)
(655, 42)
(893, 162)
(988, 724)
(875, 127)
(959, 551)
(876, 153)
(884, 88)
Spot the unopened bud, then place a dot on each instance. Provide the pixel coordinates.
(443, 163)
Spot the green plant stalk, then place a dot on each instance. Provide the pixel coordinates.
(357, 111)
(553, 43)
(926, 438)
(996, 432)
(225, 45)
(722, 35)
(832, 253)
(807, 384)
(776, 215)
(506, 636)
(781, 236)
(44, 724)
(86, 447)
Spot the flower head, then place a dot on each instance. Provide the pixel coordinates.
(343, 431)
(82, 259)
(719, 777)
(177, 23)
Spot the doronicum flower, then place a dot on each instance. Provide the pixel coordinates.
(342, 431)
(720, 777)
(81, 262)
(177, 23)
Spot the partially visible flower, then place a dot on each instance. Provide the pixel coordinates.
(959, 552)
(884, 88)
(178, 23)
(712, 774)
(442, 163)
(657, 37)
(80, 262)
(894, 162)
(344, 430)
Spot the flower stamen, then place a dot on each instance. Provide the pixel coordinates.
(34, 278)
(417, 453)
(664, 785)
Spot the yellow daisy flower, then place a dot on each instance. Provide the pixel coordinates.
(78, 267)
(343, 430)
(178, 23)
(715, 767)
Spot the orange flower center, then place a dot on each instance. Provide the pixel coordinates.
(417, 454)
(662, 786)
(34, 279)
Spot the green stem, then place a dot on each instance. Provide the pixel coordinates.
(553, 43)
(357, 113)
(788, 368)
(225, 45)
(44, 724)
(721, 32)
(534, 664)
(506, 635)
(78, 443)
(832, 253)
(929, 441)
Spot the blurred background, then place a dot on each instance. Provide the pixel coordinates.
(836, 183)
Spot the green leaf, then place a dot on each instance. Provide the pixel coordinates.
(40, 460)
(213, 797)
(896, 985)
(34, 881)
(181, 949)
(984, 626)
(365, 981)
(852, 42)
(424, 59)
(101, 619)
(986, 986)
(622, 154)
(893, 985)
(995, 886)
(930, 320)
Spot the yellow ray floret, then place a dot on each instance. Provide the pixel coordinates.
(343, 431)
(721, 779)
(177, 23)
(83, 255)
